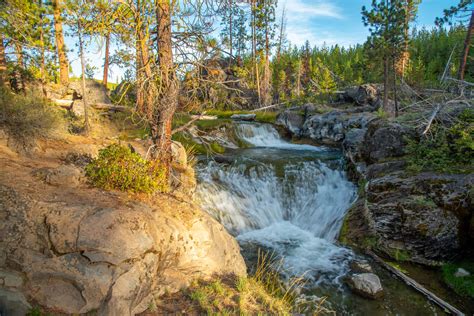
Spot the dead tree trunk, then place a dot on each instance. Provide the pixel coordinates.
(83, 69)
(106, 60)
(58, 32)
(467, 44)
(168, 94)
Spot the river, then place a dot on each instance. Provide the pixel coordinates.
(291, 199)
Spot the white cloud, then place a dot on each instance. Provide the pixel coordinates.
(302, 17)
(301, 10)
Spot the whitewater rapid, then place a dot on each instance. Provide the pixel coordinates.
(295, 208)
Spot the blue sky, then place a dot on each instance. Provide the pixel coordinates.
(318, 21)
(339, 21)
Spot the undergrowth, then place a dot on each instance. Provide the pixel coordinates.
(117, 167)
(28, 117)
(447, 149)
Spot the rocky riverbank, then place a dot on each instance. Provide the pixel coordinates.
(68, 248)
(399, 213)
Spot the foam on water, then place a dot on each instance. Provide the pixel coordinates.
(264, 135)
(298, 214)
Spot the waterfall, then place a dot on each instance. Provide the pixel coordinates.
(265, 135)
(297, 210)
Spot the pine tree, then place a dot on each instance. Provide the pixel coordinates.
(386, 25)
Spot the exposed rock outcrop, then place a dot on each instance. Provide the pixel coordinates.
(72, 249)
(292, 121)
(398, 213)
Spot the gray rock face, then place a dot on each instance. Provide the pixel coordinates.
(384, 140)
(332, 127)
(366, 284)
(292, 121)
(78, 256)
(366, 94)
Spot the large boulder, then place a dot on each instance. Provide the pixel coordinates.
(292, 121)
(331, 127)
(407, 214)
(366, 94)
(366, 284)
(76, 253)
(384, 140)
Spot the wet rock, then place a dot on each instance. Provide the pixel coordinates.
(292, 121)
(244, 117)
(461, 273)
(360, 267)
(366, 284)
(353, 142)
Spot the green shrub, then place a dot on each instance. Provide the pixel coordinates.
(117, 167)
(28, 117)
(448, 150)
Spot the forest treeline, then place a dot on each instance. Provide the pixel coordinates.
(225, 54)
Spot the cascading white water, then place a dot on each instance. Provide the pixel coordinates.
(297, 211)
(265, 135)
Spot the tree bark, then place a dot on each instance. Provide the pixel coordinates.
(168, 97)
(3, 62)
(42, 51)
(230, 30)
(266, 71)
(467, 44)
(106, 60)
(385, 86)
(83, 68)
(58, 30)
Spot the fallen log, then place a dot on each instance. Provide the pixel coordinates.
(109, 107)
(417, 286)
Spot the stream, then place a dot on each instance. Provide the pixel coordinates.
(291, 200)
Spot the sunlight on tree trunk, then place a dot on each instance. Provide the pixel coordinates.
(58, 27)
(168, 94)
(106, 60)
(84, 93)
(3, 62)
(467, 45)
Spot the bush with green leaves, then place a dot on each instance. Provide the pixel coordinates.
(447, 149)
(117, 167)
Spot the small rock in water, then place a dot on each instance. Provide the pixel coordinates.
(460, 273)
(360, 267)
(366, 284)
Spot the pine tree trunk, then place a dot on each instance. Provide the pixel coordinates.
(3, 62)
(168, 98)
(84, 94)
(467, 44)
(230, 30)
(42, 52)
(106, 60)
(386, 106)
(58, 30)
(266, 70)
(395, 87)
